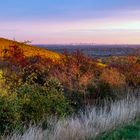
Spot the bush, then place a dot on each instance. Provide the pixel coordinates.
(104, 91)
(112, 77)
(39, 102)
(133, 76)
(32, 103)
(9, 113)
(3, 88)
(76, 99)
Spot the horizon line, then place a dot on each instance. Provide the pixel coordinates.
(91, 44)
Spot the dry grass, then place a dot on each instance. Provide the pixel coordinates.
(86, 125)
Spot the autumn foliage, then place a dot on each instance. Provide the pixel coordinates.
(60, 87)
(112, 77)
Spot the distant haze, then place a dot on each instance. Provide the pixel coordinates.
(71, 21)
(96, 51)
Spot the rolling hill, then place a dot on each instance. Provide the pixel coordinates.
(29, 50)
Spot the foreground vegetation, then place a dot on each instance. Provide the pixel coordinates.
(87, 125)
(35, 88)
(131, 131)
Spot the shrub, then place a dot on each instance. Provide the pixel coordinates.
(53, 83)
(74, 70)
(39, 102)
(89, 124)
(133, 76)
(130, 67)
(76, 99)
(104, 91)
(3, 88)
(110, 83)
(9, 113)
(112, 77)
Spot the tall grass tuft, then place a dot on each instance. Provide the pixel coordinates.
(89, 124)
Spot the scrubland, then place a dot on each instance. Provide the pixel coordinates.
(72, 97)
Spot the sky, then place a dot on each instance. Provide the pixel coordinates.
(71, 21)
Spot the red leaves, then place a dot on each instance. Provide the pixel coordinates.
(75, 71)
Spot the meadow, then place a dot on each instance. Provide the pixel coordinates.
(70, 96)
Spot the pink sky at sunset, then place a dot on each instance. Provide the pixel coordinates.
(116, 22)
(104, 31)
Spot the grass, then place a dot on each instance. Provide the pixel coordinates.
(129, 132)
(87, 125)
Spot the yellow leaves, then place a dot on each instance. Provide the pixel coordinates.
(28, 50)
(101, 65)
(3, 89)
(1, 74)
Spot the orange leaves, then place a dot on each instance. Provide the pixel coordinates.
(75, 71)
(112, 77)
(85, 79)
(132, 59)
(28, 50)
(129, 66)
(15, 56)
(133, 75)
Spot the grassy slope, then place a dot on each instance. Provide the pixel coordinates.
(129, 132)
(28, 49)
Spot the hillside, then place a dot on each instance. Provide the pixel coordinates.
(28, 50)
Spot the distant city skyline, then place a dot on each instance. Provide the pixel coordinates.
(71, 21)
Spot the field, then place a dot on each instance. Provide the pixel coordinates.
(69, 96)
